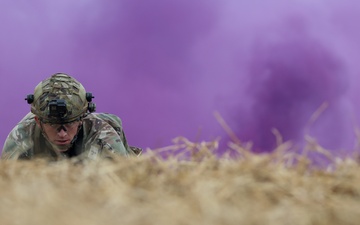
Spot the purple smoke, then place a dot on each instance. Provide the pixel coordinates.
(165, 66)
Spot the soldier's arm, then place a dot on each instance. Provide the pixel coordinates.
(116, 123)
(104, 143)
(19, 141)
(15, 145)
(9, 150)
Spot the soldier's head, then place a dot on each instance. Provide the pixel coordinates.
(60, 99)
(59, 104)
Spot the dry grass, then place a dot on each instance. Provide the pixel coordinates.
(192, 188)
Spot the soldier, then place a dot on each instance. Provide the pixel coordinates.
(62, 124)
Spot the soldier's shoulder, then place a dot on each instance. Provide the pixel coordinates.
(19, 139)
(93, 116)
(95, 123)
(26, 123)
(104, 118)
(28, 118)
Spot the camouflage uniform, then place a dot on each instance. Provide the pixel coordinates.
(61, 100)
(95, 138)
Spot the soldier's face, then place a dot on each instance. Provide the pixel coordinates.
(60, 135)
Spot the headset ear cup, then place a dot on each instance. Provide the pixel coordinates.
(30, 98)
(91, 107)
(89, 96)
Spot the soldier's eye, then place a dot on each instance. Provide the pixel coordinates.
(72, 124)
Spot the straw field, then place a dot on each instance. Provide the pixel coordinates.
(197, 187)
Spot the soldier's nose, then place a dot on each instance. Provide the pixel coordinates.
(62, 133)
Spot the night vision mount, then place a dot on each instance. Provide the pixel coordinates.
(57, 108)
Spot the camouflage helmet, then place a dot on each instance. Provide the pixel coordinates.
(60, 99)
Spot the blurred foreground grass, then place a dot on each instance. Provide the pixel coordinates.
(193, 186)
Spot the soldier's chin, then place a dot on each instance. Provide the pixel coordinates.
(62, 148)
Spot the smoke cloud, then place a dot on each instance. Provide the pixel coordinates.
(165, 66)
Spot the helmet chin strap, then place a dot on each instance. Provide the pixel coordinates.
(77, 132)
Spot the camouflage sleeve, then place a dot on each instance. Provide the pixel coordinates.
(105, 140)
(116, 123)
(19, 140)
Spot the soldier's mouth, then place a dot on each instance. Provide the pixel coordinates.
(62, 142)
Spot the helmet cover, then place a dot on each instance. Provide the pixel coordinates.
(59, 99)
